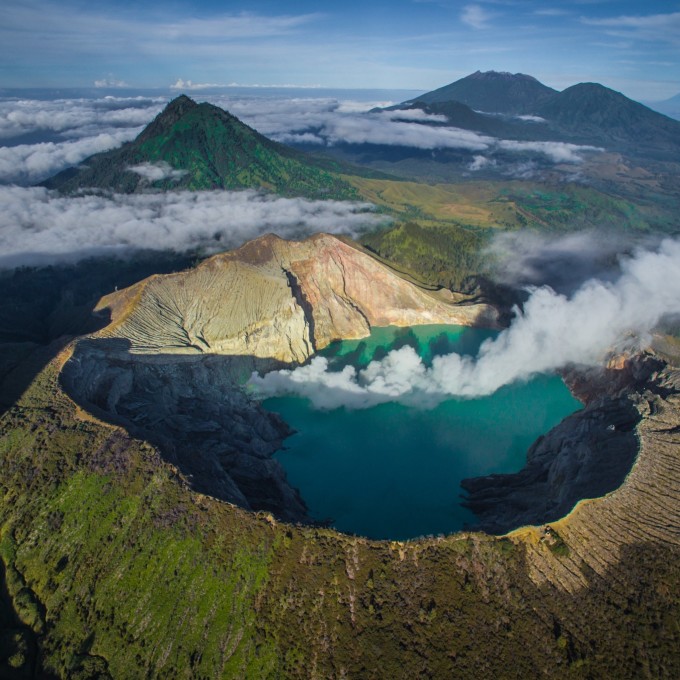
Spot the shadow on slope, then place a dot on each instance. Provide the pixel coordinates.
(194, 410)
(43, 308)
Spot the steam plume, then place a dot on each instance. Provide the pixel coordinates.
(552, 332)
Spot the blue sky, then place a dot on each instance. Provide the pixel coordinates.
(420, 44)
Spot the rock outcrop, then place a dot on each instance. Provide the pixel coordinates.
(280, 300)
(588, 455)
(190, 407)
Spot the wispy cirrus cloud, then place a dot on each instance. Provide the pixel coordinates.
(551, 12)
(649, 27)
(476, 16)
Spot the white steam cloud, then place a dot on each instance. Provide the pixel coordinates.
(40, 227)
(553, 331)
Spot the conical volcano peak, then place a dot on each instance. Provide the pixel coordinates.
(174, 111)
(182, 104)
(200, 147)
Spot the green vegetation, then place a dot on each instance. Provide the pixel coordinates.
(116, 569)
(438, 255)
(113, 567)
(441, 230)
(212, 150)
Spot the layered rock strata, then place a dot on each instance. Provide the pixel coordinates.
(278, 299)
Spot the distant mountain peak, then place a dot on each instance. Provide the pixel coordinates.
(500, 75)
(493, 91)
(182, 100)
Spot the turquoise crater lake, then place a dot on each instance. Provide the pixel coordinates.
(394, 471)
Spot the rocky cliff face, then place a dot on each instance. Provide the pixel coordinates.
(280, 300)
(190, 407)
(587, 456)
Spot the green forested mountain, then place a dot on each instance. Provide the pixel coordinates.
(200, 146)
(592, 112)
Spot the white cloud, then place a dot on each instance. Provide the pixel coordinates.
(647, 21)
(334, 122)
(480, 162)
(153, 172)
(531, 119)
(39, 226)
(416, 115)
(110, 83)
(476, 16)
(553, 331)
(188, 85)
(318, 120)
(75, 118)
(30, 163)
(380, 129)
(655, 28)
(557, 152)
(75, 129)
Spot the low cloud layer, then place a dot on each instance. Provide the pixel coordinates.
(327, 121)
(39, 138)
(75, 118)
(31, 163)
(39, 227)
(553, 331)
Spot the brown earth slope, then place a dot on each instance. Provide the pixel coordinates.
(278, 299)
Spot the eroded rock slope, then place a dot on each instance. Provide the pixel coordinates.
(278, 299)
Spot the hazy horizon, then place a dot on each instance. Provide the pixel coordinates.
(403, 44)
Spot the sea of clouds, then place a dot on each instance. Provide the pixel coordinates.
(576, 320)
(40, 137)
(552, 331)
(38, 226)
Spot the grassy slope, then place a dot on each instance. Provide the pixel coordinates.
(118, 568)
(441, 229)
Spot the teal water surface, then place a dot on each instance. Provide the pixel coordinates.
(394, 471)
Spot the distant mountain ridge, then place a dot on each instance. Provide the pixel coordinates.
(586, 113)
(200, 146)
(492, 92)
